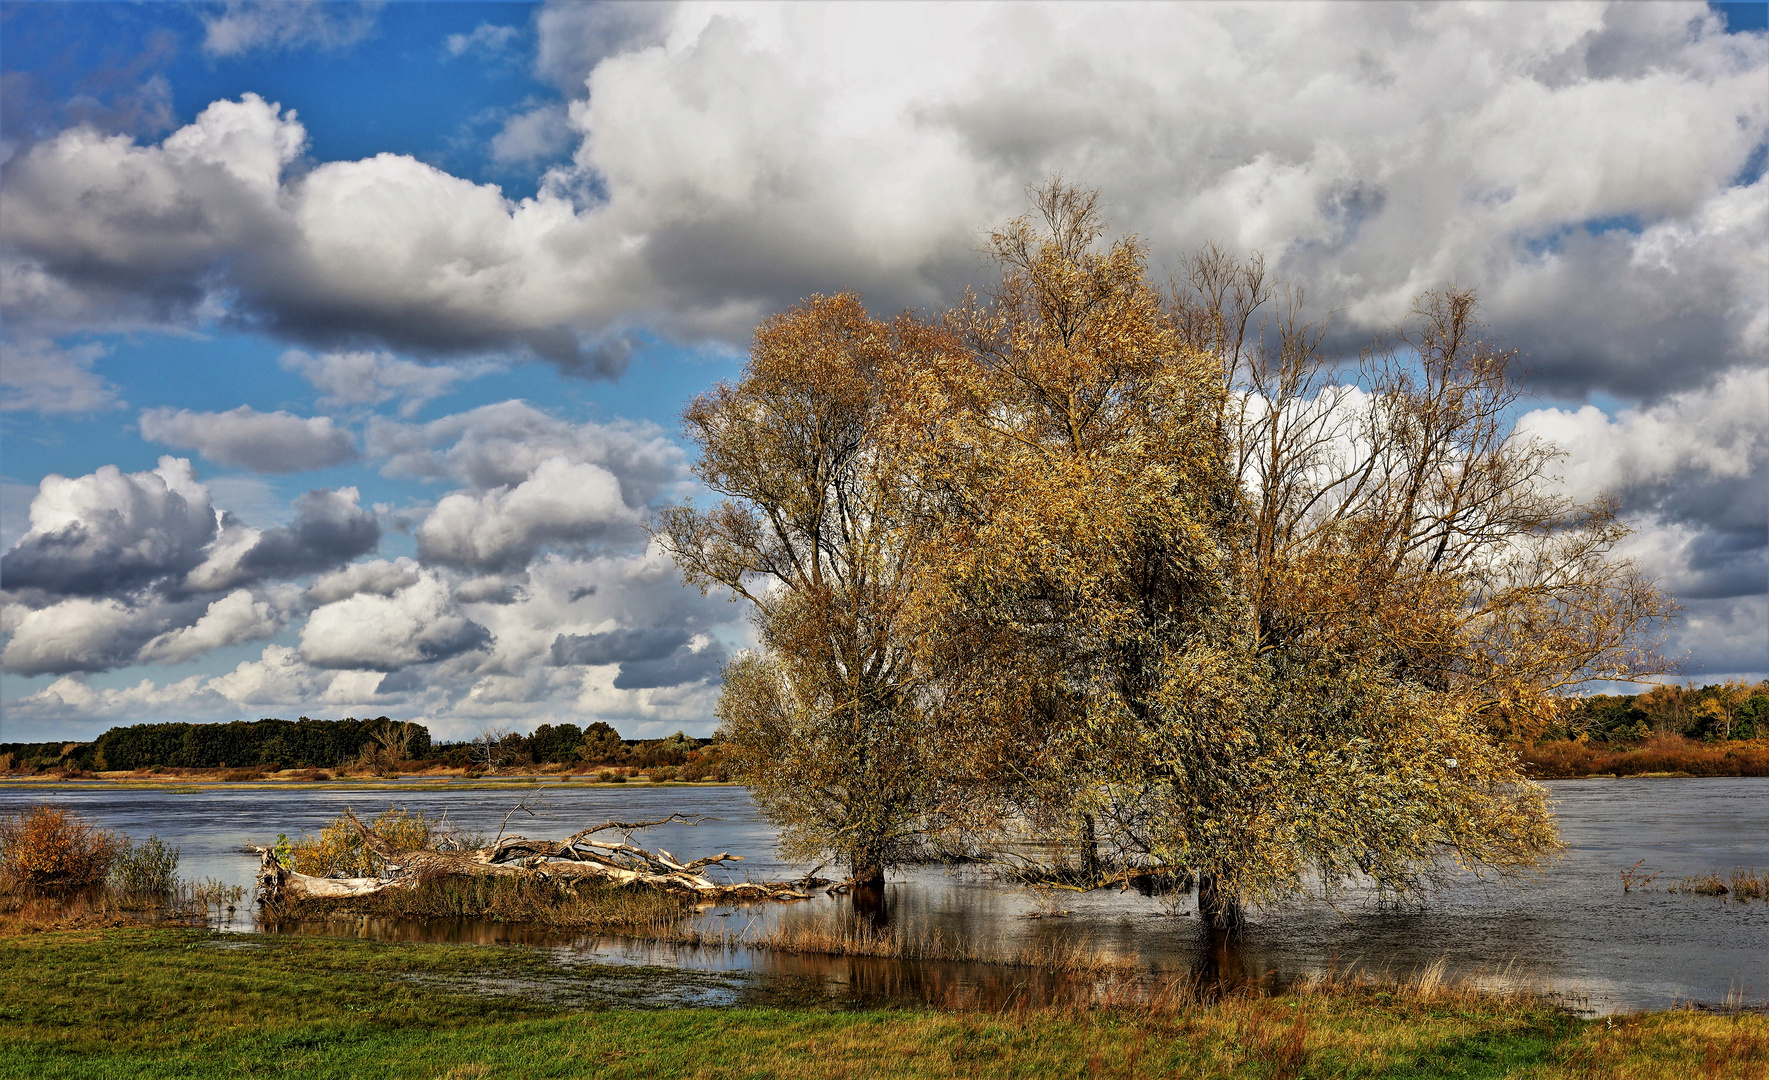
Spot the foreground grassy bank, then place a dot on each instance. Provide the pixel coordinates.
(159, 1002)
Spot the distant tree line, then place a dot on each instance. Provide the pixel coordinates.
(1719, 712)
(686, 757)
(380, 743)
(268, 743)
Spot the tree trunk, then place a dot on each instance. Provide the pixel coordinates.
(868, 873)
(1219, 909)
(1089, 850)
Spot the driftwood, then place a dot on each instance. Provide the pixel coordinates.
(580, 857)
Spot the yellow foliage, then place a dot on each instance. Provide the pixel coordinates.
(338, 850)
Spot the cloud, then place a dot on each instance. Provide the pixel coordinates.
(1585, 167)
(487, 39)
(502, 445)
(235, 618)
(278, 675)
(1692, 470)
(667, 656)
(374, 378)
(685, 666)
(574, 38)
(102, 233)
(243, 27)
(330, 528)
(80, 634)
(561, 503)
(418, 624)
(617, 646)
(1691, 475)
(540, 134)
(377, 576)
(277, 442)
(111, 531)
(38, 376)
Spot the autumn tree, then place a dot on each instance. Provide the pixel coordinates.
(825, 722)
(1265, 622)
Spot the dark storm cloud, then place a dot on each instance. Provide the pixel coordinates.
(329, 529)
(618, 646)
(647, 658)
(683, 667)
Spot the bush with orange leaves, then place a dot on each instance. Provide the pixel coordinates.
(48, 846)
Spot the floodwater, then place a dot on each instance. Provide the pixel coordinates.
(1571, 931)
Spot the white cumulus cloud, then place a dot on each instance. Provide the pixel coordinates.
(373, 378)
(39, 376)
(562, 502)
(235, 618)
(417, 624)
(276, 442)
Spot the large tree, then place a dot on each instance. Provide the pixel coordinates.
(1274, 618)
(817, 531)
(1142, 567)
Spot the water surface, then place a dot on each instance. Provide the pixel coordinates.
(1571, 931)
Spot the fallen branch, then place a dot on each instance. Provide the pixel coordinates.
(580, 857)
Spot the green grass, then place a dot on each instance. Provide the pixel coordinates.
(156, 1002)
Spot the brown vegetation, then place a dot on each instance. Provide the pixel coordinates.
(1657, 754)
(1739, 883)
(50, 847)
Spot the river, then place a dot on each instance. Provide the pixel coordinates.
(1570, 931)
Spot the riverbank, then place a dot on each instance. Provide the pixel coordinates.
(203, 780)
(1660, 756)
(166, 1002)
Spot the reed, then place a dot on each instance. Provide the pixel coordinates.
(1751, 884)
(1740, 883)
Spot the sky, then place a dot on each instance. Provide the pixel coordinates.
(342, 346)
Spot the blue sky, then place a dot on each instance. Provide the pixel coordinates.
(457, 267)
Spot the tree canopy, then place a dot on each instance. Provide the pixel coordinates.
(1093, 557)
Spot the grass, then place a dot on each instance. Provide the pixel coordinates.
(140, 1002)
(509, 900)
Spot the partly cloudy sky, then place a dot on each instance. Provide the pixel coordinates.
(344, 344)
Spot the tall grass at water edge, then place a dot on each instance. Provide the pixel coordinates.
(57, 870)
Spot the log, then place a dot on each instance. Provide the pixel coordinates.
(580, 857)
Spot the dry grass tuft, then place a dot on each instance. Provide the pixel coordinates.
(1740, 883)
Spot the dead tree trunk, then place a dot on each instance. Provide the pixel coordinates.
(581, 857)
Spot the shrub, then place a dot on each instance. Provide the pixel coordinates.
(47, 846)
(338, 851)
(662, 774)
(149, 868)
